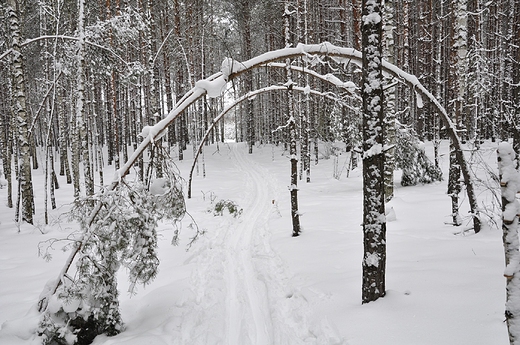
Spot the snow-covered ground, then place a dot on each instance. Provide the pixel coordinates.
(247, 281)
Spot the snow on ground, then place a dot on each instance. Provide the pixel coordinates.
(247, 281)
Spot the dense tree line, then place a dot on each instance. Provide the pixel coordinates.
(92, 81)
(83, 81)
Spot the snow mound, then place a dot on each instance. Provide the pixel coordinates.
(390, 214)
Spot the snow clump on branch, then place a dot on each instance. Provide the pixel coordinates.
(214, 87)
(154, 132)
(227, 67)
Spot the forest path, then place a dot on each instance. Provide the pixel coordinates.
(247, 305)
(243, 293)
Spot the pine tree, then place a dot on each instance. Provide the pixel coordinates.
(374, 224)
(411, 158)
(291, 127)
(122, 234)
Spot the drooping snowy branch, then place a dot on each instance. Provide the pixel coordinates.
(330, 78)
(323, 49)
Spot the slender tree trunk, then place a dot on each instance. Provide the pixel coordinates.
(81, 123)
(454, 187)
(374, 224)
(306, 118)
(458, 59)
(63, 139)
(165, 29)
(21, 116)
(6, 147)
(510, 185)
(437, 47)
(291, 127)
(389, 128)
(54, 180)
(356, 21)
(6, 140)
(243, 16)
(153, 98)
(179, 80)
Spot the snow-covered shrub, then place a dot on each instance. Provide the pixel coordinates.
(228, 205)
(123, 233)
(411, 158)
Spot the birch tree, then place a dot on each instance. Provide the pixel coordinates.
(26, 198)
(6, 139)
(80, 141)
(458, 89)
(510, 186)
(389, 125)
(305, 123)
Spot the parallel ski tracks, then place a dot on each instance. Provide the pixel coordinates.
(247, 304)
(242, 293)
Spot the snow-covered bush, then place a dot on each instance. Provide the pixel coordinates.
(123, 233)
(411, 158)
(228, 205)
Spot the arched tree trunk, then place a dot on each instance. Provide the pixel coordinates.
(237, 69)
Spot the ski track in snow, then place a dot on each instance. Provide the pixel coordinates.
(243, 296)
(241, 278)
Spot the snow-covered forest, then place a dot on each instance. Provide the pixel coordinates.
(259, 172)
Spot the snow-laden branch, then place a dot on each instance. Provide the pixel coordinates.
(155, 131)
(332, 79)
(42, 103)
(64, 37)
(243, 98)
(351, 54)
(234, 70)
(161, 46)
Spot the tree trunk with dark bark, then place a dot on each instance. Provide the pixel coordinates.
(374, 223)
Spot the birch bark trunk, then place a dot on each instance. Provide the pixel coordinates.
(21, 116)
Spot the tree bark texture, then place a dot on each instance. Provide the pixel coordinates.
(510, 185)
(374, 223)
(20, 113)
(291, 127)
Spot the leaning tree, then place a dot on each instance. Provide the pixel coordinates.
(101, 240)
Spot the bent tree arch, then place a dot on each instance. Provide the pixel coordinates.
(212, 87)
